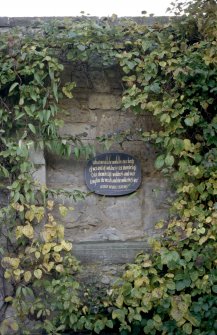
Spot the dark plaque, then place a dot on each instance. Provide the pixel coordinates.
(113, 174)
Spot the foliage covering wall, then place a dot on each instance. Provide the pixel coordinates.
(169, 70)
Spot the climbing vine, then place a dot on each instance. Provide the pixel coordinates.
(168, 70)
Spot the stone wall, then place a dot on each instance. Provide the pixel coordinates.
(105, 231)
(103, 228)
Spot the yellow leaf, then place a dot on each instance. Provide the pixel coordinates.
(17, 272)
(63, 210)
(15, 262)
(30, 215)
(60, 231)
(159, 225)
(8, 299)
(50, 204)
(138, 282)
(46, 248)
(7, 274)
(46, 258)
(40, 214)
(38, 273)
(203, 239)
(19, 232)
(51, 218)
(147, 264)
(208, 219)
(18, 207)
(187, 144)
(27, 276)
(119, 301)
(59, 268)
(85, 309)
(169, 275)
(49, 266)
(37, 254)
(66, 245)
(58, 248)
(57, 257)
(28, 231)
(31, 249)
(14, 326)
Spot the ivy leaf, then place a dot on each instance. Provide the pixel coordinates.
(66, 245)
(159, 163)
(55, 91)
(189, 121)
(32, 128)
(187, 144)
(214, 288)
(99, 326)
(109, 324)
(187, 328)
(81, 47)
(27, 276)
(14, 326)
(77, 152)
(63, 210)
(13, 87)
(28, 231)
(169, 160)
(38, 273)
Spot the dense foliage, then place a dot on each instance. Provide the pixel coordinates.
(169, 70)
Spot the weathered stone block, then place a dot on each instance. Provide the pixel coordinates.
(37, 156)
(156, 203)
(113, 122)
(74, 111)
(99, 81)
(81, 130)
(39, 174)
(104, 101)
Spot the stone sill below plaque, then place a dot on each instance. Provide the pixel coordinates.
(109, 252)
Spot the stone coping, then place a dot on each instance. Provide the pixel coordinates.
(109, 252)
(11, 22)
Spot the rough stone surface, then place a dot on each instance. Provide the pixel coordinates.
(37, 158)
(104, 101)
(94, 111)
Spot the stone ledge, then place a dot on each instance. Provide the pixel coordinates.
(109, 252)
(36, 21)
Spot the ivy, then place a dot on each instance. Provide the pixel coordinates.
(168, 70)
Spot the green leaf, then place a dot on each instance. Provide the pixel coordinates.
(19, 116)
(109, 324)
(81, 47)
(189, 121)
(55, 91)
(159, 163)
(169, 160)
(187, 328)
(73, 319)
(214, 288)
(99, 326)
(32, 128)
(4, 171)
(77, 152)
(13, 87)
